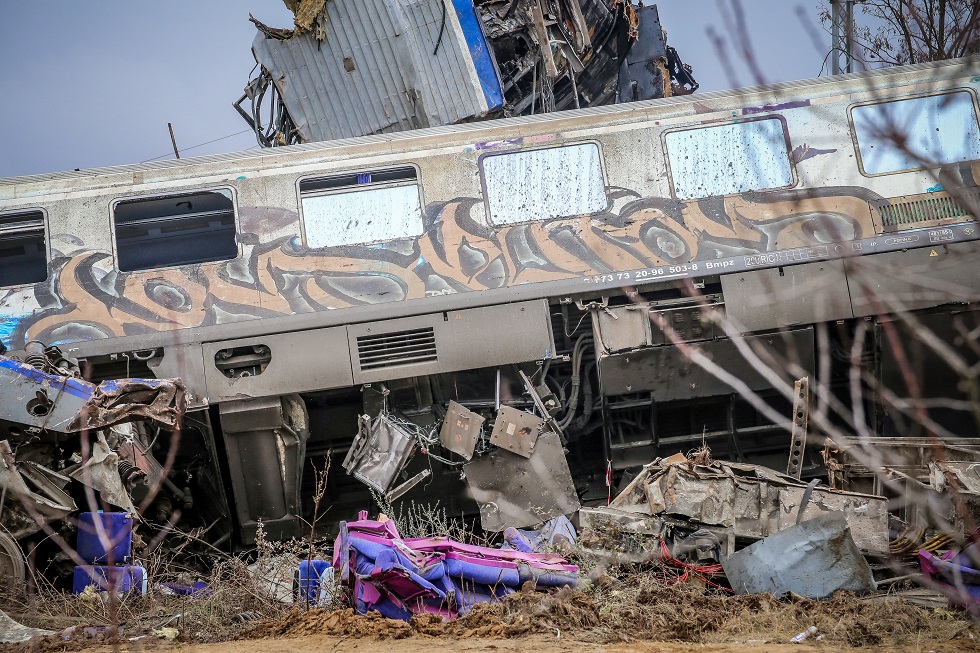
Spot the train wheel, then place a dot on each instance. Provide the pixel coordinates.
(13, 567)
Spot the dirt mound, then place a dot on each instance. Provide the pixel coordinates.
(624, 612)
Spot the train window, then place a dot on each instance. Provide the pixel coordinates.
(158, 232)
(23, 252)
(726, 159)
(916, 133)
(542, 184)
(361, 208)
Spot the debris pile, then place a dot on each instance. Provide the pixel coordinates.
(735, 501)
(427, 63)
(403, 577)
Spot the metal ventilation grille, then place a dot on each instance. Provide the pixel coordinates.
(398, 348)
(917, 211)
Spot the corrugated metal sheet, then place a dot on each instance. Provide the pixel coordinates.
(375, 71)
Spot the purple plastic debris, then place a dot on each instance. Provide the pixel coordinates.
(181, 589)
(956, 572)
(402, 577)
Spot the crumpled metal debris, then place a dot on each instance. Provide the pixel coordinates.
(813, 559)
(127, 400)
(701, 546)
(752, 500)
(516, 491)
(309, 16)
(380, 450)
(31, 491)
(101, 473)
(52, 401)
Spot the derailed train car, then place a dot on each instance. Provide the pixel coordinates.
(559, 276)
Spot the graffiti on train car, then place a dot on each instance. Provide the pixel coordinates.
(86, 299)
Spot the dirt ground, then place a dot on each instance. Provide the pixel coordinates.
(640, 614)
(536, 643)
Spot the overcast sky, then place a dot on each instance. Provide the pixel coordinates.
(87, 84)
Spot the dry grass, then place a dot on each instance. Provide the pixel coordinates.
(640, 607)
(616, 602)
(236, 597)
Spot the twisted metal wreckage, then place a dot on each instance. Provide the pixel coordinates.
(359, 67)
(296, 319)
(71, 437)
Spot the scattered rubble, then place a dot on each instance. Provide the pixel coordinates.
(685, 529)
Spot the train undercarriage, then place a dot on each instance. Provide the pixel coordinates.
(625, 382)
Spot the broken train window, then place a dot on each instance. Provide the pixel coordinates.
(727, 159)
(185, 229)
(556, 182)
(917, 132)
(23, 251)
(361, 208)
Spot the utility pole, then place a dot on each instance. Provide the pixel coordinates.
(173, 140)
(842, 35)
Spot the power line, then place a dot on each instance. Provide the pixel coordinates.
(163, 156)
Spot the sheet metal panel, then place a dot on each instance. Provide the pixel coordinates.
(813, 559)
(522, 492)
(301, 362)
(375, 72)
(945, 273)
(467, 339)
(670, 375)
(780, 297)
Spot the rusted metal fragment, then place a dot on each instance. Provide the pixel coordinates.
(128, 400)
(812, 559)
(516, 491)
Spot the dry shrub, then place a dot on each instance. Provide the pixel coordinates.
(235, 598)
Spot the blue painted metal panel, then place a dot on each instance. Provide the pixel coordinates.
(74, 387)
(480, 51)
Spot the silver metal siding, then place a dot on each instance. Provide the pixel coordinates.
(391, 45)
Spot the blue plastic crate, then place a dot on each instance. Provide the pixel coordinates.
(116, 544)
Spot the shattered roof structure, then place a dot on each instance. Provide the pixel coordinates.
(357, 67)
(376, 70)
